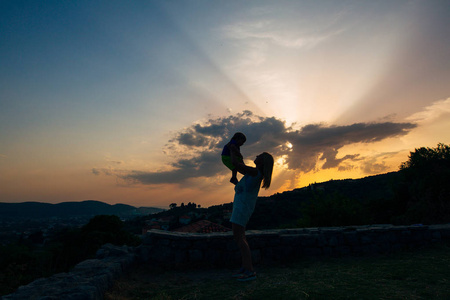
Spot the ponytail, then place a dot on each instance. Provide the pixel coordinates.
(267, 170)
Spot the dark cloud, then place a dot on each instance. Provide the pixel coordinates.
(321, 141)
(332, 162)
(204, 165)
(105, 171)
(197, 149)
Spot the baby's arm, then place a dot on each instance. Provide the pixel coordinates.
(234, 151)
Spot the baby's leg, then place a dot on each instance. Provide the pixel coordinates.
(233, 179)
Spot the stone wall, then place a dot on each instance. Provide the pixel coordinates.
(90, 279)
(219, 249)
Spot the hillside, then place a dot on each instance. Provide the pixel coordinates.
(39, 210)
(376, 186)
(283, 208)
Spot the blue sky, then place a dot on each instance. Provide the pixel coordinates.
(131, 102)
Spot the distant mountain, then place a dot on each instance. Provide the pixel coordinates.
(39, 210)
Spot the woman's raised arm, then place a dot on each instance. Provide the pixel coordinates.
(243, 168)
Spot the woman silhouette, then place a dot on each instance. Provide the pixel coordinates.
(246, 194)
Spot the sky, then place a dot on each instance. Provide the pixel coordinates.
(132, 101)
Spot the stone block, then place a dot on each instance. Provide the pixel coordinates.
(381, 239)
(322, 240)
(162, 242)
(256, 255)
(366, 249)
(307, 240)
(436, 235)
(362, 231)
(357, 250)
(297, 251)
(290, 240)
(273, 241)
(161, 254)
(343, 250)
(214, 257)
(312, 251)
(405, 236)
(218, 244)
(232, 257)
(180, 257)
(391, 237)
(195, 255)
(365, 239)
(257, 242)
(445, 231)
(267, 253)
(328, 251)
(231, 246)
(182, 245)
(351, 238)
(333, 241)
(199, 245)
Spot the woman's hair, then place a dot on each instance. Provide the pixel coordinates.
(239, 135)
(267, 169)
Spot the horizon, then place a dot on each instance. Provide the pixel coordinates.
(168, 207)
(132, 103)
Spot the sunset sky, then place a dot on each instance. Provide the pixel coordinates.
(132, 101)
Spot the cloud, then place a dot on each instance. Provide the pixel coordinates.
(432, 112)
(319, 141)
(263, 30)
(259, 34)
(196, 149)
(332, 162)
(110, 170)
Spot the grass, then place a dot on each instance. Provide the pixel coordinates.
(417, 274)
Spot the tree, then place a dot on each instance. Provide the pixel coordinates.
(426, 158)
(427, 175)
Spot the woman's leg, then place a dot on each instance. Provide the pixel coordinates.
(239, 236)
